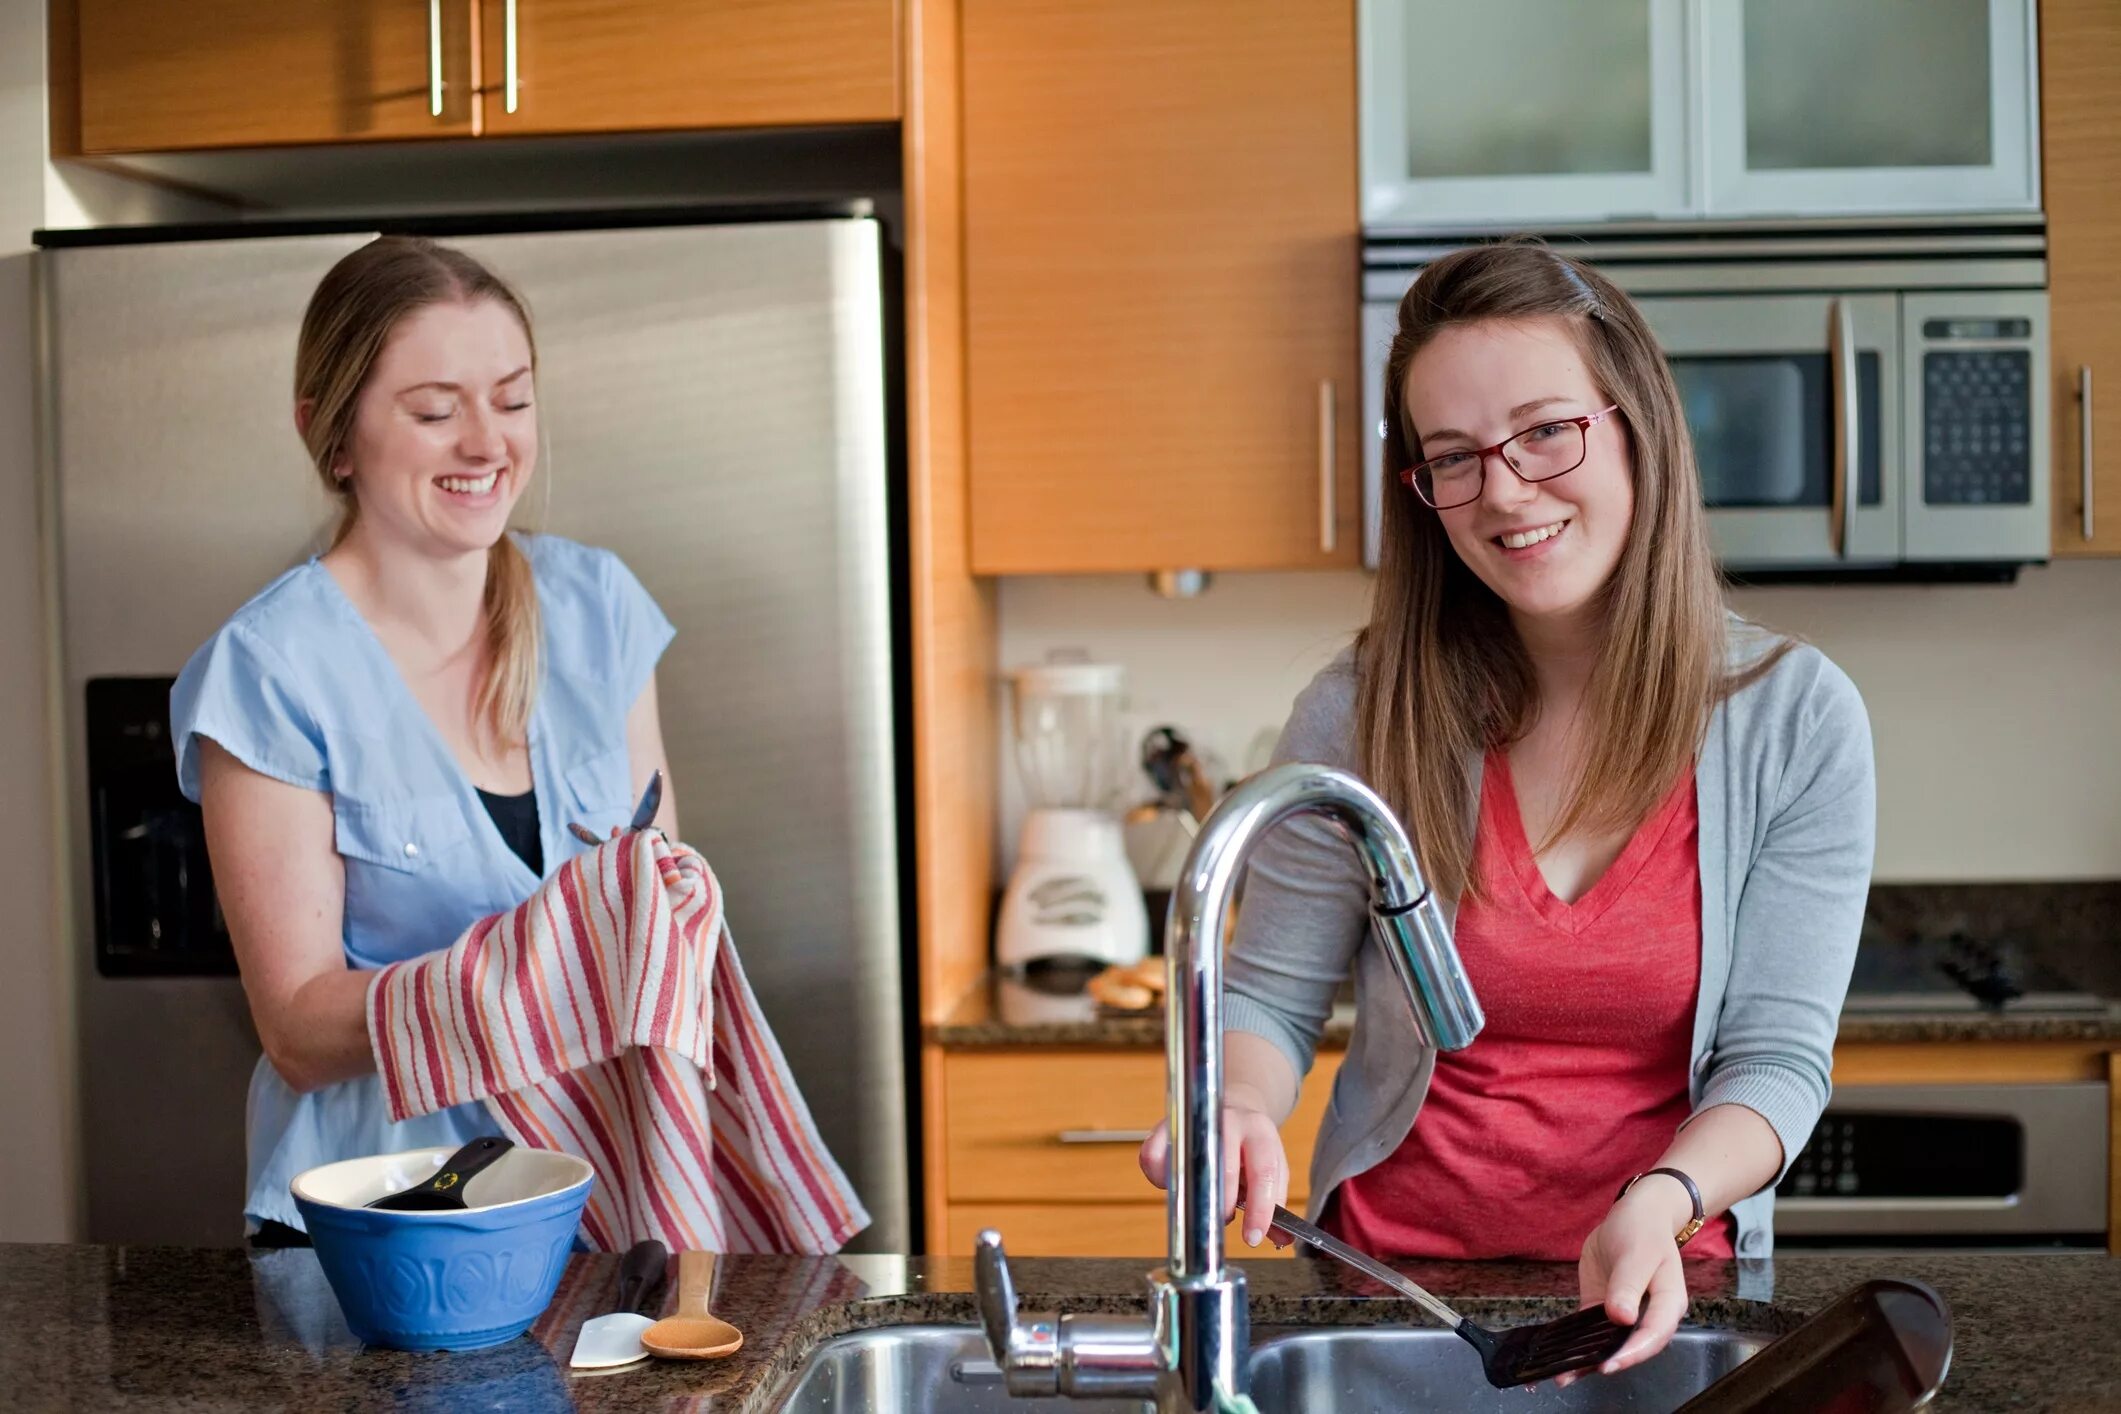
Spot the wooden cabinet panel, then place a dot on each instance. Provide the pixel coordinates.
(591, 66)
(156, 76)
(1027, 1126)
(1162, 265)
(2080, 55)
(1084, 1230)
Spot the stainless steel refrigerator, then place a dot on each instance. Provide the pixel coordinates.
(714, 408)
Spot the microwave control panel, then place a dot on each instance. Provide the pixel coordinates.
(1977, 415)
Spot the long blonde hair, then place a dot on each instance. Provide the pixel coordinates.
(350, 318)
(1442, 674)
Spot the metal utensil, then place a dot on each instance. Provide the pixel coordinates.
(643, 814)
(445, 1190)
(1883, 1346)
(610, 1341)
(651, 802)
(1521, 1355)
(693, 1334)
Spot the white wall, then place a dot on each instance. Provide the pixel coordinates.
(1996, 709)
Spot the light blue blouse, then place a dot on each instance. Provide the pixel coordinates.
(297, 686)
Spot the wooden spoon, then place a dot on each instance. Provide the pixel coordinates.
(692, 1334)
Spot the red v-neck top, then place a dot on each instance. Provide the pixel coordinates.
(1579, 1079)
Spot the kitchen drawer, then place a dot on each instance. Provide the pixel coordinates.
(1064, 1125)
(1083, 1230)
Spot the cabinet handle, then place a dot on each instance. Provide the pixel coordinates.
(434, 57)
(1102, 1136)
(2084, 432)
(508, 50)
(1328, 531)
(1846, 454)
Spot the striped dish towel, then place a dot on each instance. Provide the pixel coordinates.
(607, 1016)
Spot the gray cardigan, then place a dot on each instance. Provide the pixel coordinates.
(1787, 800)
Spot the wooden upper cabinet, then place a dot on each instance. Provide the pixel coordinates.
(1162, 258)
(2080, 54)
(589, 66)
(157, 76)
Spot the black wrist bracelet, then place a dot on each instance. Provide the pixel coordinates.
(1693, 1192)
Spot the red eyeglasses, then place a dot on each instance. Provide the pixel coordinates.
(1553, 448)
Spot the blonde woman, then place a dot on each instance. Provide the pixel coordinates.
(1654, 822)
(389, 740)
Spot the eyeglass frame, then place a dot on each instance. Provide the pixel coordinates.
(1583, 424)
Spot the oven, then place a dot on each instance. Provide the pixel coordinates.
(1952, 1165)
(1861, 404)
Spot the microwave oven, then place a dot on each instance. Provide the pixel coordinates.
(1863, 403)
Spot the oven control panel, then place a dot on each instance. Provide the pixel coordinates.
(1908, 1156)
(1952, 1163)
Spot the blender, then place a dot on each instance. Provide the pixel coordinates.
(1073, 895)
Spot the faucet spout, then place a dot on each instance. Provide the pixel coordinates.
(1193, 1347)
(1405, 917)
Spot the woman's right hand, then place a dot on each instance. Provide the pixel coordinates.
(1255, 1166)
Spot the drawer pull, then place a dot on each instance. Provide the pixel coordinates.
(1102, 1136)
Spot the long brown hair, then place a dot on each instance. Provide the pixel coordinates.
(1442, 673)
(350, 318)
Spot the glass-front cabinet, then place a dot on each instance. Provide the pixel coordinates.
(1520, 111)
(1517, 112)
(1821, 107)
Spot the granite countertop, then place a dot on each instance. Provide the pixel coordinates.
(118, 1328)
(1005, 1010)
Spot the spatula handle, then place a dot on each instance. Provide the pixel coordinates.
(447, 1185)
(1363, 1262)
(695, 1282)
(643, 1268)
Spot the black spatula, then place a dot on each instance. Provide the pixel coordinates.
(446, 1189)
(1521, 1355)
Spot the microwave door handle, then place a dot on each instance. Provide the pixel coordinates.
(1843, 353)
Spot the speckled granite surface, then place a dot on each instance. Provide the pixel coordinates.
(1005, 1011)
(105, 1328)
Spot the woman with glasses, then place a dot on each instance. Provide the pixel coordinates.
(1653, 822)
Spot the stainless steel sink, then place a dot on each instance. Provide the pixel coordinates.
(1358, 1369)
(934, 1369)
(1346, 1369)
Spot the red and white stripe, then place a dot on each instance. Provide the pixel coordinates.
(607, 1016)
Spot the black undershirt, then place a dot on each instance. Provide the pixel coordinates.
(516, 817)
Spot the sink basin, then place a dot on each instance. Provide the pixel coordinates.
(945, 1369)
(1358, 1369)
(936, 1369)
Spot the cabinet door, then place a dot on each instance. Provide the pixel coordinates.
(1161, 279)
(1821, 107)
(589, 66)
(1512, 112)
(160, 77)
(2080, 54)
(1064, 1125)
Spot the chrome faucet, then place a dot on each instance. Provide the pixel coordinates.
(1197, 1333)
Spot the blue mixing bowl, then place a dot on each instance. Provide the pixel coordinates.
(444, 1280)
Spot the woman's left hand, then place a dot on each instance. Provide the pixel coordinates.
(1631, 1266)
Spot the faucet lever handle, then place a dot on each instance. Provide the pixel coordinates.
(997, 1293)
